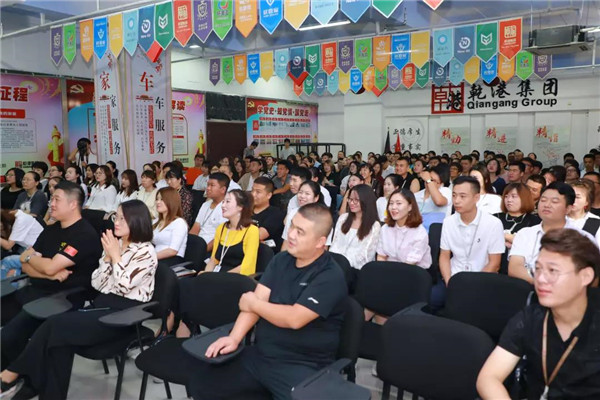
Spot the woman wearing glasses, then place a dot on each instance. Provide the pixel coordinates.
(103, 192)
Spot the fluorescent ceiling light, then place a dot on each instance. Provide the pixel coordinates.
(330, 25)
(194, 46)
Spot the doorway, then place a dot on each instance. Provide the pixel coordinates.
(225, 139)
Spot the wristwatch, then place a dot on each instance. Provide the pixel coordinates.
(28, 258)
(429, 180)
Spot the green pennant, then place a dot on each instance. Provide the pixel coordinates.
(381, 79)
(524, 65)
(163, 24)
(70, 42)
(222, 11)
(386, 7)
(487, 40)
(423, 75)
(313, 59)
(362, 53)
(309, 85)
(227, 69)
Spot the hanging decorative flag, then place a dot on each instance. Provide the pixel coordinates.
(542, 65)
(472, 70)
(163, 24)
(420, 48)
(489, 70)
(344, 84)
(506, 68)
(298, 89)
(487, 40)
(246, 16)
(464, 43)
(434, 4)
(309, 85)
(354, 9)
(524, 65)
(282, 61)
(130, 31)
(329, 57)
(69, 42)
(266, 65)
(295, 12)
(146, 27)
(313, 59)
(346, 55)
(56, 44)
(100, 36)
(271, 14)
(409, 75)
(333, 82)
(320, 83)
(227, 69)
(222, 17)
(422, 76)
(362, 53)
(456, 72)
(203, 23)
(401, 50)
(115, 33)
(440, 74)
(253, 67)
(443, 46)
(215, 70)
(86, 32)
(323, 10)
(369, 78)
(240, 70)
(381, 52)
(394, 76)
(184, 23)
(381, 82)
(297, 64)
(510, 39)
(386, 7)
(356, 82)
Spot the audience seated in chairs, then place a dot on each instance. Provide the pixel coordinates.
(268, 219)
(170, 231)
(176, 181)
(147, 192)
(103, 193)
(391, 183)
(210, 215)
(19, 232)
(32, 200)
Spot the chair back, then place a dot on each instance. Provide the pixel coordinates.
(97, 218)
(349, 273)
(195, 251)
(264, 257)
(351, 331)
(432, 357)
(435, 237)
(386, 287)
(166, 289)
(487, 301)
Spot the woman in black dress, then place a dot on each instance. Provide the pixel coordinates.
(13, 188)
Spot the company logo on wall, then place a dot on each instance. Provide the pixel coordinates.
(146, 26)
(486, 39)
(442, 39)
(202, 10)
(130, 23)
(297, 60)
(162, 21)
(101, 33)
(464, 42)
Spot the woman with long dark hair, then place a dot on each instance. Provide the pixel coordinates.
(73, 174)
(489, 201)
(90, 176)
(391, 183)
(13, 188)
(103, 192)
(170, 230)
(129, 187)
(175, 180)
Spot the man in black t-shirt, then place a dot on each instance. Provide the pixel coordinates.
(298, 308)
(64, 256)
(269, 219)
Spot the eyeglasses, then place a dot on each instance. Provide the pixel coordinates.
(551, 274)
(353, 201)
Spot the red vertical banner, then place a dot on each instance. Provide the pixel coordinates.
(510, 37)
(409, 76)
(329, 57)
(182, 14)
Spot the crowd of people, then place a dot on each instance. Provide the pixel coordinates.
(506, 214)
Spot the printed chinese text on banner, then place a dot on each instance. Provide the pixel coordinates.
(443, 46)
(354, 9)
(297, 65)
(298, 89)
(510, 37)
(344, 80)
(346, 55)
(369, 78)
(189, 129)
(246, 16)
(434, 4)
(115, 33)
(456, 72)
(381, 52)
(409, 75)
(506, 68)
(320, 83)
(440, 74)
(329, 57)
(401, 50)
(184, 23)
(282, 61)
(146, 27)
(394, 77)
(253, 67)
(214, 67)
(472, 70)
(420, 48)
(86, 31)
(100, 36)
(56, 44)
(362, 53)
(203, 24)
(422, 76)
(69, 42)
(381, 82)
(227, 69)
(130, 31)
(356, 83)
(487, 40)
(464, 43)
(333, 82)
(524, 65)
(222, 17)
(266, 65)
(240, 70)
(313, 59)
(271, 14)
(489, 70)
(309, 85)
(542, 65)
(386, 7)
(295, 12)
(323, 10)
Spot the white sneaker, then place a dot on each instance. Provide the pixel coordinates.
(133, 353)
(157, 380)
(374, 370)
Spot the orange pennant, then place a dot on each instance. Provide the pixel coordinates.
(239, 69)
(506, 68)
(298, 89)
(369, 78)
(381, 52)
(86, 38)
(246, 16)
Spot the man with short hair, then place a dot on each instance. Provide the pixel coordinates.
(518, 155)
(202, 180)
(165, 169)
(402, 168)
(466, 163)
(557, 335)
(594, 177)
(269, 219)
(588, 163)
(282, 185)
(297, 308)
(537, 167)
(568, 156)
(287, 150)
(298, 176)
(247, 180)
(210, 215)
(535, 184)
(41, 168)
(516, 171)
(249, 151)
(194, 172)
(386, 167)
(226, 169)
(528, 162)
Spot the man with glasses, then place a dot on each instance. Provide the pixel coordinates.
(559, 337)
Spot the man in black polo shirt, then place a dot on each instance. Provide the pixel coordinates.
(402, 168)
(269, 219)
(64, 256)
(298, 308)
(560, 336)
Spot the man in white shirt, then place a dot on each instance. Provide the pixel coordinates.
(317, 177)
(555, 203)
(298, 176)
(287, 150)
(386, 166)
(247, 180)
(474, 238)
(226, 169)
(202, 180)
(165, 169)
(210, 215)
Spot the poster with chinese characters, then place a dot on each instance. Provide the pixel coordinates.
(455, 134)
(150, 124)
(501, 133)
(552, 137)
(109, 121)
(81, 113)
(189, 126)
(412, 132)
(269, 122)
(31, 121)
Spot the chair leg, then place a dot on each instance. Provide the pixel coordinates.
(143, 388)
(187, 392)
(352, 373)
(385, 392)
(168, 390)
(120, 369)
(105, 365)
(415, 396)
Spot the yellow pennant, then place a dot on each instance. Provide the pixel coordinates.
(419, 52)
(472, 70)
(86, 40)
(506, 68)
(266, 65)
(369, 78)
(344, 82)
(115, 33)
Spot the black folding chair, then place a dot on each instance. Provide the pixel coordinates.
(351, 274)
(195, 254)
(435, 237)
(264, 257)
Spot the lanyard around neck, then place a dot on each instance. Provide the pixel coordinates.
(544, 357)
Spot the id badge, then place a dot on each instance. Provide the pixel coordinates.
(544, 395)
(217, 268)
